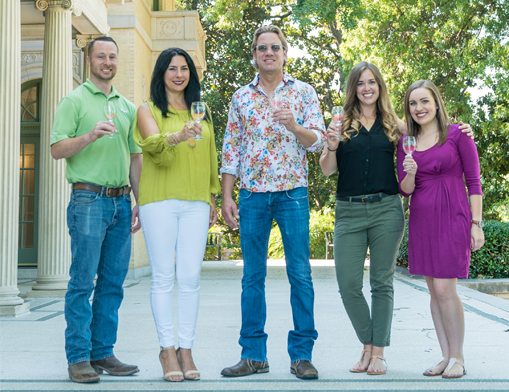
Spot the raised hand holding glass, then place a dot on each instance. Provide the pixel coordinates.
(198, 111)
(409, 146)
(110, 111)
(337, 117)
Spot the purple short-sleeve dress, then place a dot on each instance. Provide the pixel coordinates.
(440, 218)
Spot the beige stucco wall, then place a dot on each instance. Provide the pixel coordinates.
(142, 13)
(143, 69)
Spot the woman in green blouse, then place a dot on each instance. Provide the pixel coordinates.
(177, 204)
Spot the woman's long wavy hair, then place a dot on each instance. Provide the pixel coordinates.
(158, 88)
(352, 106)
(443, 119)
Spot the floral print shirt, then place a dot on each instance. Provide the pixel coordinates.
(268, 157)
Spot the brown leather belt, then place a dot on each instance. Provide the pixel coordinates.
(108, 192)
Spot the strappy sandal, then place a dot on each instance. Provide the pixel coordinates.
(372, 363)
(189, 372)
(168, 376)
(452, 362)
(359, 369)
(430, 371)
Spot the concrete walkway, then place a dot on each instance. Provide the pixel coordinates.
(32, 345)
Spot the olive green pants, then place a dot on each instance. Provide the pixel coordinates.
(380, 227)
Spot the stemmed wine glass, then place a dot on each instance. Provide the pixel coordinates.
(275, 101)
(198, 110)
(337, 117)
(409, 146)
(110, 111)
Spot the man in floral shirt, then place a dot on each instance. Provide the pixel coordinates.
(266, 148)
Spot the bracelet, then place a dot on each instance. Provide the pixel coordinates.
(172, 139)
(330, 149)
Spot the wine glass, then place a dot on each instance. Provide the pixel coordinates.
(275, 101)
(198, 110)
(337, 117)
(409, 145)
(110, 111)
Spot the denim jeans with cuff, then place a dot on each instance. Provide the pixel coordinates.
(290, 209)
(100, 228)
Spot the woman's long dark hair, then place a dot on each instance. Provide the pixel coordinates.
(157, 86)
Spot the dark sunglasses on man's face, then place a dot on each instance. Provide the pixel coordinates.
(262, 48)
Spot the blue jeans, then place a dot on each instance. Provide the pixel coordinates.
(99, 227)
(257, 211)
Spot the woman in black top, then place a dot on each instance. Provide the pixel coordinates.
(368, 209)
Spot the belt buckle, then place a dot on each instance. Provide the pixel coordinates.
(364, 198)
(111, 192)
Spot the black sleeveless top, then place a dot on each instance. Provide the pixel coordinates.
(366, 164)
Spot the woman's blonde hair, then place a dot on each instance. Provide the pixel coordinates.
(413, 128)
(352, 106)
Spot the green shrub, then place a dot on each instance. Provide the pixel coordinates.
(491, 261)
(319, 223)
(230, 244)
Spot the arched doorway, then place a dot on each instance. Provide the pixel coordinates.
(29, 172)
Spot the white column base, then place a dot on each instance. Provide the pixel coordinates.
(14, 310)
(46, 293)
(52, 282)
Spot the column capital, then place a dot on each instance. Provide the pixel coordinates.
(82, 40)
(73, 5)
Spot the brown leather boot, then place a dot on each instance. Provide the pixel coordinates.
(246, 367)
(304, 369)
(114, 367)
(82, 372)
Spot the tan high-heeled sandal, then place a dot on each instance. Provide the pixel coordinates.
(168, 375)
(359, 369)
(189, 372)
(372, 363)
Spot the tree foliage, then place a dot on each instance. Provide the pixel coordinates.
(462, 46)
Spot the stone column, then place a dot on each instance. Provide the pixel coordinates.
(54, 255)
(10, 98)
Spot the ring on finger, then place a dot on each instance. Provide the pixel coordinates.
(284, 117)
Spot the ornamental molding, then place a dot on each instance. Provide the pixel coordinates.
(170, 28)
(41, 5)
(33, 61)
(28, 58)
(82, 40)
(73, 5)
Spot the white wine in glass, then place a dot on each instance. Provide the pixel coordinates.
(110, 111)
(198, 111)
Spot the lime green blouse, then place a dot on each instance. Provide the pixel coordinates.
(176, 172)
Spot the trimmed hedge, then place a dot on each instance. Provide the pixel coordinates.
(491, 261)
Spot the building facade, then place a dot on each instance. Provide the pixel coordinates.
(43, 46)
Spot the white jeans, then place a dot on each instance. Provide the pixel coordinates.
(169, 227)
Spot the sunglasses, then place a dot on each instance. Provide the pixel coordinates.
(262, 48)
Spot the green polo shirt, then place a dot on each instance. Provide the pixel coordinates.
(105, 162)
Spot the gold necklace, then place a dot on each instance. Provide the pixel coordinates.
(190, 142)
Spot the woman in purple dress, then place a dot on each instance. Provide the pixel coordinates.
(443, 227)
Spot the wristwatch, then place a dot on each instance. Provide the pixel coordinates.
(479, 223)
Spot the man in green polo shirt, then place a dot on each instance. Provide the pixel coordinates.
(102, 160)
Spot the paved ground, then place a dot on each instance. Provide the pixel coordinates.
(32, 345)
